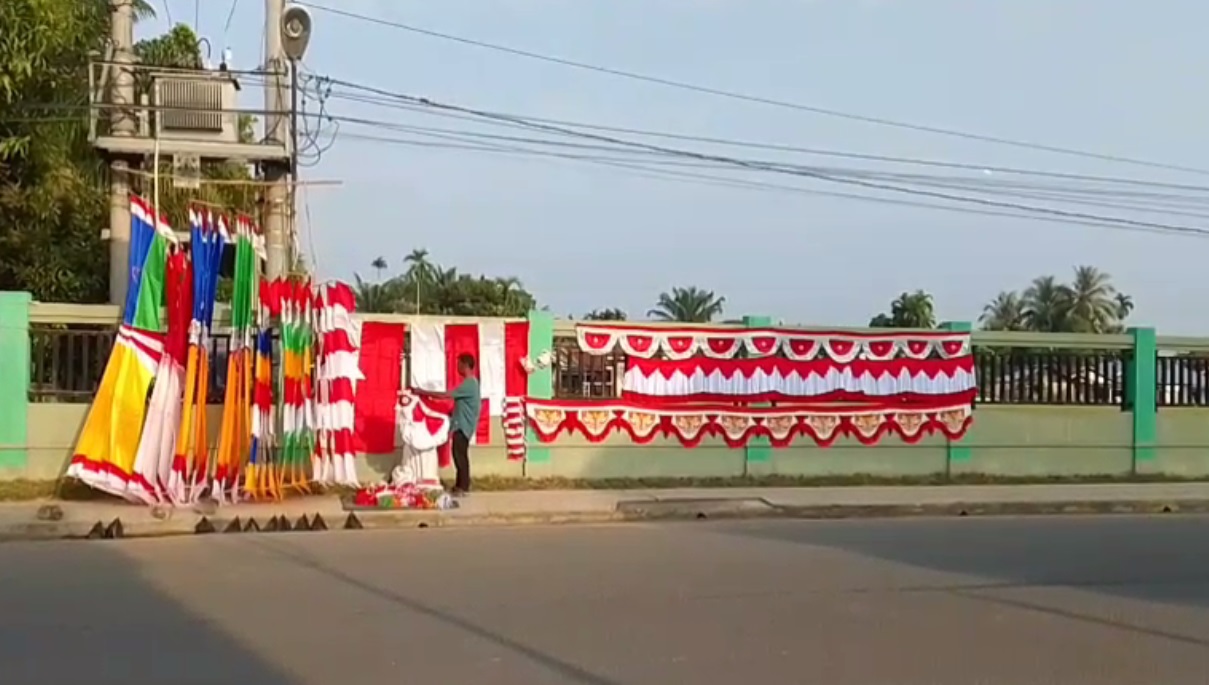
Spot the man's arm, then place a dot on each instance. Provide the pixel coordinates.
(427, 393)
(464, 391)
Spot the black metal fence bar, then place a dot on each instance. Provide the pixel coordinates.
(1050, 377)
(67, 363)
(1180, 381)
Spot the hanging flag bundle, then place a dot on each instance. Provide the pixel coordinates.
(297, 396)
(106, 450)
(235, 440)
(153, 462)
(263, 433)
(338, 336)
(190, 461)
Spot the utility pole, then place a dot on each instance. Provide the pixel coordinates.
(276, 124)
(122, 125)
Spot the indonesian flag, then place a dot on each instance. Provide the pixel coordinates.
(381, 363)
(498, 349)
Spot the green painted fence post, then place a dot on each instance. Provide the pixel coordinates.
(1141, 394)
(759, 450)
(958, 452)
(541, 381)
(14, 381)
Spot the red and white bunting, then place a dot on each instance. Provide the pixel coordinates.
(645, 342)
(337, 374)
(736, 426)
(499, 349)
(777, 379)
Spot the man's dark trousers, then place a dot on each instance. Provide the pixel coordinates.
(461, 461)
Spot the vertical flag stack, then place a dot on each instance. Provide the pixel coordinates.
(190, 460)
(297, 396)
(106, 450)
(235, 440)
(339, 345)
(153, 463)
(263, 415)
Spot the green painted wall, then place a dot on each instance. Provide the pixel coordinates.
(1045, 441)
(618, 457)
(36, 440)
(1003, 441)
(1183, 443)
(14, 383)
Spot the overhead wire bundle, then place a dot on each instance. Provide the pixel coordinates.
(977, 189)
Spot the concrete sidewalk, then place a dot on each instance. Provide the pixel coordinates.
(57, 520)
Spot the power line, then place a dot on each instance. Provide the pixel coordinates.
(832, 178)
(682, 85)
(230, 15)
(969, 184)
(722, 181)
(386, 100)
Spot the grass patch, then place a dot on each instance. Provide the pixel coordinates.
(71, 490)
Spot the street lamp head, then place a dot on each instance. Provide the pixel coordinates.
(295, 31)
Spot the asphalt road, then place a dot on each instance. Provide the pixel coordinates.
(1029, 601)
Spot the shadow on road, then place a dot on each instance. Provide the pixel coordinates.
(570, 672)
(83, 613)
(1158, 559)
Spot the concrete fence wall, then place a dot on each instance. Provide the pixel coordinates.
(37, 438)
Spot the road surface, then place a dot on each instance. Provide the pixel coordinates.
(1104, 601)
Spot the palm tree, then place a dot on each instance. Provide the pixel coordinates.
(373, 297)
(1004, 313)
(691, 305)
(908, 310)
(1046, 305)
(379, 264)
(1092, 305)
(1124, 306)
(419, 272)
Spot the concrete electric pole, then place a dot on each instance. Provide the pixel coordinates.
(122, 125)
(276, 123)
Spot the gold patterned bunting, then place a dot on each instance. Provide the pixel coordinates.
(824, 424)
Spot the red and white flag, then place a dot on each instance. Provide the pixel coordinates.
(381, 363)
(498, 349)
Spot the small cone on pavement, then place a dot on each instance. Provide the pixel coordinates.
(302, 523)
(204, 526)
(235, 526)
(97, 532)
(271, 526)
(318, 523)
(283, 524)
(251, 526)
(352, 523)
(115, 530)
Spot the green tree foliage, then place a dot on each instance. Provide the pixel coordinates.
(1089, 303)
(52, 202)
(908, 310)
(427, 288)
(607, 314)
(689, 304)
(53, 184)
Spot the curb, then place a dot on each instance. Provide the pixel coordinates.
(142, 525)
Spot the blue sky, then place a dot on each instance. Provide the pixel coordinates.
(1112, 76)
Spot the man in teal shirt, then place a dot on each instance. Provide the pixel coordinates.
(467, 403)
